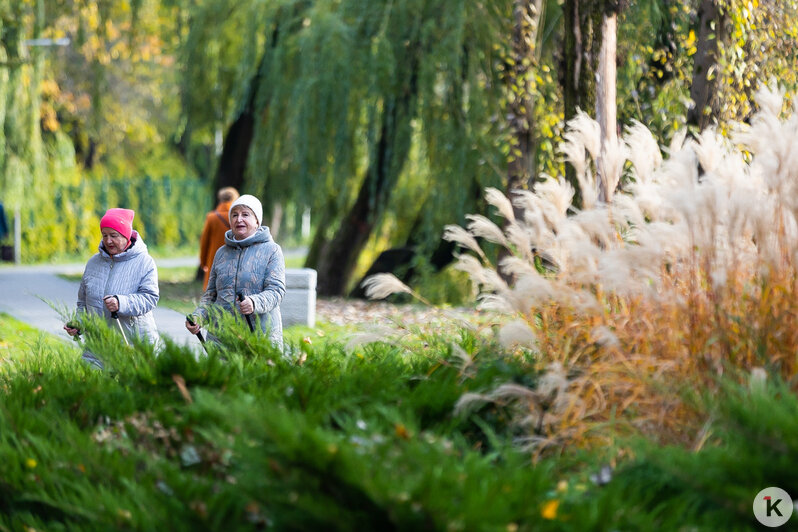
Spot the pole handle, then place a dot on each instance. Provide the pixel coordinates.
(240, 297)
(190, 320)
(115, 314)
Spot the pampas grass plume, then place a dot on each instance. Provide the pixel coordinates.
(517, 333)
(382, 285)
(458, 235)
(643, 151)
(481, 227)
(497, 198)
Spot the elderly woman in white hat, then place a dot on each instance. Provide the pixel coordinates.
(251, 264)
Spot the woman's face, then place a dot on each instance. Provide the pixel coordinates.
(243, 222)
(113, 241)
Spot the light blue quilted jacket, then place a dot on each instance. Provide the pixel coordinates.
(255, 267)
(133, 278)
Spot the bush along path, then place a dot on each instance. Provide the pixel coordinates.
(366, 439)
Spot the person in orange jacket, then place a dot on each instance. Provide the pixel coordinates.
(216, 225)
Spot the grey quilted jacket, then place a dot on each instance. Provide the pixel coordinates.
(133, 278)
(255, 267)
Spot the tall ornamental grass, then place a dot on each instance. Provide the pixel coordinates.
(686, 274)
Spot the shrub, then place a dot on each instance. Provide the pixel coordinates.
(66, 221)
(245, 438)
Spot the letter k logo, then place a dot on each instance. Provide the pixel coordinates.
(771, 506)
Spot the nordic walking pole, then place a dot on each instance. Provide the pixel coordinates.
(115, 316)
(248, 316)
(190, 320)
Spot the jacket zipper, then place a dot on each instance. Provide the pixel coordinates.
(108, 281)
(235, 281)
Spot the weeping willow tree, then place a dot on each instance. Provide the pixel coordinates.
(22, 161)
(388, 119)
(343, 105)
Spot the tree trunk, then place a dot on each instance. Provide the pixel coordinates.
(572, 60)
(238, 141)
(339, 257)
(606, 106)
(577, 81)
(276, 220)
(521, 166)
(235, 153)
(705, 106)
(319, 242)
(183, 144)
(399, 260)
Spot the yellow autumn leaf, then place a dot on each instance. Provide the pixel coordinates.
(402, 431)
(549, 510)
(93, 20)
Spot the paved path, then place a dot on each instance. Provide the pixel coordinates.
(26, 290)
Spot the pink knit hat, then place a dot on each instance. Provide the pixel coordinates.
(120, 220)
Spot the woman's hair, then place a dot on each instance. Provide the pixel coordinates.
(227, 194)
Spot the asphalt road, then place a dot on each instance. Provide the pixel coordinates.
(32, 294)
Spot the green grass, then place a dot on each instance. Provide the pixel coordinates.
(18, 340)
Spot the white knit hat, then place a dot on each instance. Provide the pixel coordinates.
(250, 201)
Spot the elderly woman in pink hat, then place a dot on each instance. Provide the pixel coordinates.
(250, 264)
(120, 281)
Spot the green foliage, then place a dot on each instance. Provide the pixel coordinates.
(64, 219)
(147, 88)
(245, 438)
(18, 341)
(22, 162)
(449, 286)
(751, 435)
(325, 78)
(88, 106)
(248, 438)
(654, 77)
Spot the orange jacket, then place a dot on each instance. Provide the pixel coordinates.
(216, 225)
